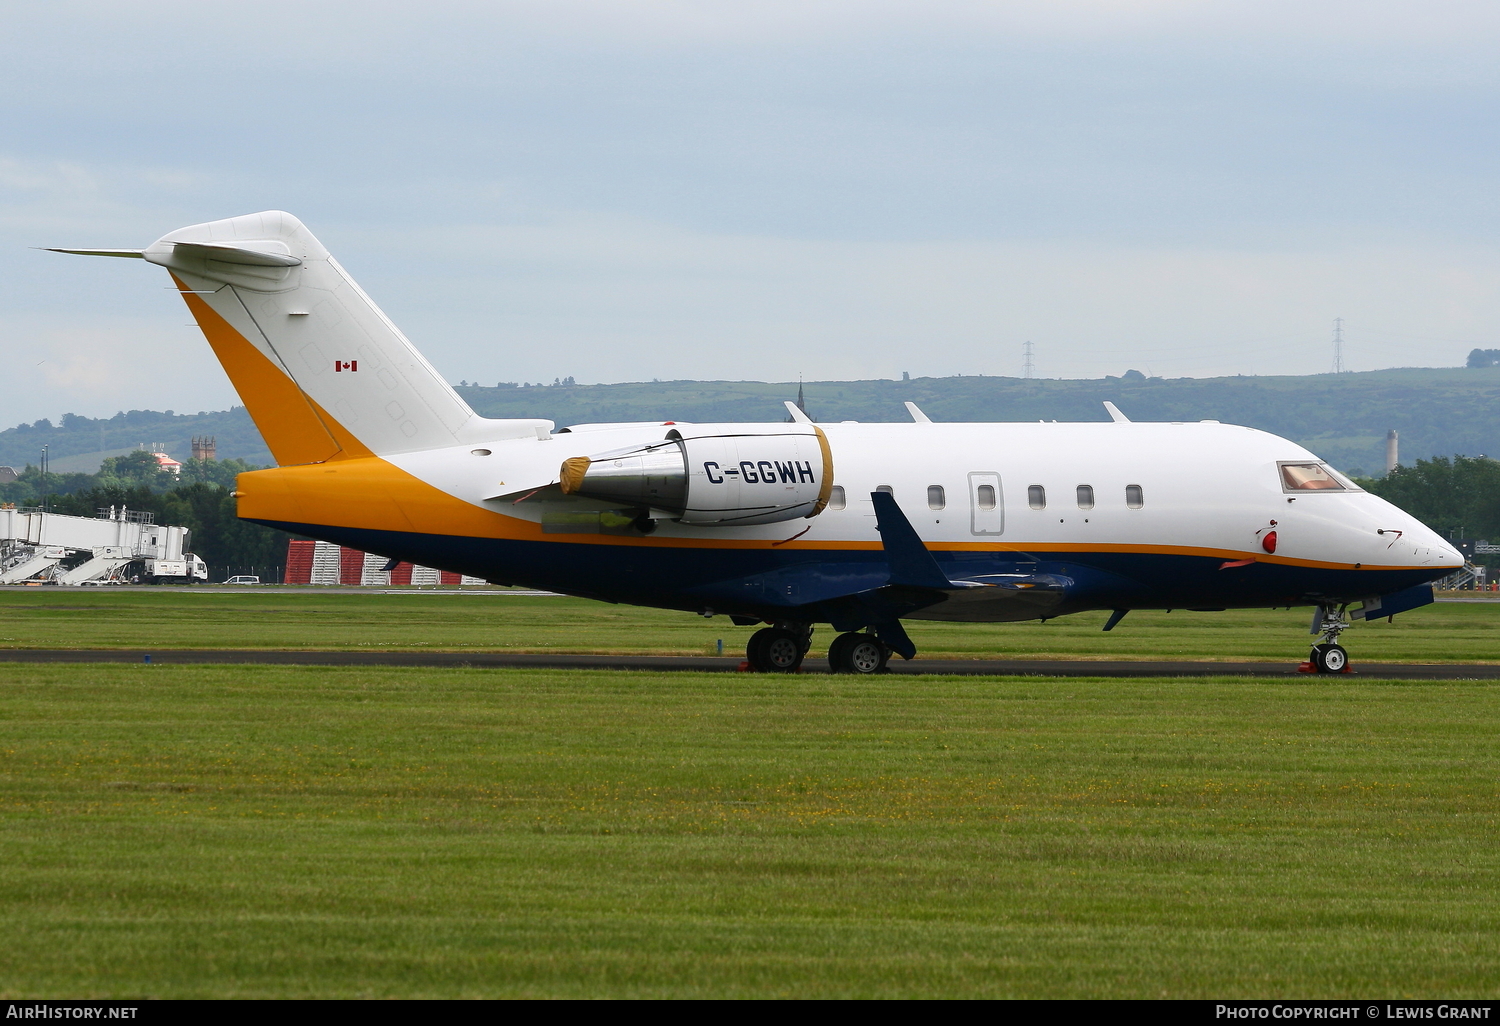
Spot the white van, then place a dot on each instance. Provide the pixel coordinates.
(187, 570)
(243, 580)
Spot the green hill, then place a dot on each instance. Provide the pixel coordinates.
(78, 444)
(1344, 418)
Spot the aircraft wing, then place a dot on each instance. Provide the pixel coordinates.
(857, 595)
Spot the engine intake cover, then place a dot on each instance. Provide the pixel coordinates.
(714, 474)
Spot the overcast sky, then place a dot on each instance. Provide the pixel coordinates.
(627, 190)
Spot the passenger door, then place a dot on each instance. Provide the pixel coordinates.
(986, 504)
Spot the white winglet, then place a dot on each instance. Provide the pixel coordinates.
(917, 415)
(796, 412)
(1115, 414)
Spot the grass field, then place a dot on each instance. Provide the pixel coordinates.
(283, 831)
(314, 619)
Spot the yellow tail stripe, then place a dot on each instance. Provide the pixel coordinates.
(295, 428)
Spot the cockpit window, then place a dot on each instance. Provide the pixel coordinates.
(1314, 477)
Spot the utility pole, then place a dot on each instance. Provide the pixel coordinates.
(1338, 345)
(1028, 368)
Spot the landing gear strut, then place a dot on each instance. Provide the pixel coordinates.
(857, 653)
(1328, 656)
(779, 649)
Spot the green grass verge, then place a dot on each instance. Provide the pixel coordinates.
(282, 831)
(314, 619)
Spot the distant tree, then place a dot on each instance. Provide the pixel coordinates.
(138, 468)
(1484, 357)
(1132, 375)
(89, 502)
(1458, 496)
(220, 537)
(29, 487)
(218, 472)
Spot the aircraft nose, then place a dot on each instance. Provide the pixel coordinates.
(1408, 541)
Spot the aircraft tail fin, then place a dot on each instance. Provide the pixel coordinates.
(323, 372)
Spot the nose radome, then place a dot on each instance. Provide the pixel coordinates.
(1433, 548)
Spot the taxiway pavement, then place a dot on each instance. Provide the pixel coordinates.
(727, 664)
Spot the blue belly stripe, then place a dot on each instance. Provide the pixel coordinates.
(766, 583)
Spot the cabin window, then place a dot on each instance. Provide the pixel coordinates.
(1036, 497)
(1134, 497)
(885, 488)
(836, 497)
(1085, 496)
(985, 495)
(936, 499)
(1314, 477)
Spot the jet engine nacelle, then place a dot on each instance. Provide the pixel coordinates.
(714, 474)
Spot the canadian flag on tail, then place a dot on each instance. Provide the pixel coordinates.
(347, 365)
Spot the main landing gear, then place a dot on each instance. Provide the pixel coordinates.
(857, 652)
(1328, 656)
(781, 649)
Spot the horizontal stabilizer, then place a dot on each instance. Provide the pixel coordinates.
(137, 254)
(269, 253)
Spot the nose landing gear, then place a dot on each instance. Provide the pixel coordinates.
(1328, 656)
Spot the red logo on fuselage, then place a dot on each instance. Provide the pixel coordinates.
(347, 365)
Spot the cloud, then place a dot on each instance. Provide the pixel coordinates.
(625, 300)
(669, 188)
(97, 365)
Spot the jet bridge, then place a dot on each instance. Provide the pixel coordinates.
(36, 545)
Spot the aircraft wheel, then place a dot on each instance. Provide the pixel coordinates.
(1329, 658)
(838, 652)
(859, 653)
(774, 650)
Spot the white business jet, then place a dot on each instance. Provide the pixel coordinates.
(784, 524)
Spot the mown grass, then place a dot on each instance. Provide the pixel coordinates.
(282, 831)
(315, 619)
